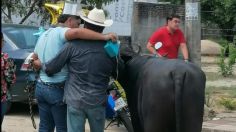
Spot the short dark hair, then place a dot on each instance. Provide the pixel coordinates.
(93, 27)
(170, 17)
(63, 17)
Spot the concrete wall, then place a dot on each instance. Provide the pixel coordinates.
(147, 17)
(121, 14)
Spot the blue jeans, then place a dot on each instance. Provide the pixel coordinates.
(52, 109)
(76, 119)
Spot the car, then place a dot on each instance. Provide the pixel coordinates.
(19, 42)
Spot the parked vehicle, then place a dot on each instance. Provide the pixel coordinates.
(19, 42)
(117, 110)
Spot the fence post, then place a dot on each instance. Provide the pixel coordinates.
(193, 30)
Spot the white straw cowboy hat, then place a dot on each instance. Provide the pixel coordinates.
(96, 17)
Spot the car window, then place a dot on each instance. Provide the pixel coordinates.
(22, 36)
(6, 46)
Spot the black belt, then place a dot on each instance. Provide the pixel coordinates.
(53, 85)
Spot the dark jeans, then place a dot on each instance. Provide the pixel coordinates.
(3, 110)
(52, 109)
(76, 119)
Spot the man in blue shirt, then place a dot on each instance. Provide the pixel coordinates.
(89, 70)
(50, 90)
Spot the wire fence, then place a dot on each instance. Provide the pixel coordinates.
(216, 33)
(210, 30)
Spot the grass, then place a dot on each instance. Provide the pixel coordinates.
(228, 103)
(216, 94)
(222, 91)
(212, 76)
(233, 93)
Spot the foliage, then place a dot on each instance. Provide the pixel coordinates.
(22, 8)
(228, 103)
(226, 67)
(223, 42)
(25, 8)
(220, 12)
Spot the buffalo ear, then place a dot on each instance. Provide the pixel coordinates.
(136, 48)
(127, 50)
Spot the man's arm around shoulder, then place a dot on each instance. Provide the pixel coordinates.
(82, 33)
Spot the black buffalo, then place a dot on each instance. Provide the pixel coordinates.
(163, 95)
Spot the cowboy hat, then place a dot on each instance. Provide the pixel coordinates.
(96, 17)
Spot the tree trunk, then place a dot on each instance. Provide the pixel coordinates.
(9, 12)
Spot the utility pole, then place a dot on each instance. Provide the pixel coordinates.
(193, 30)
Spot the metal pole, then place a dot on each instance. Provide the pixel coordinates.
(193, 30)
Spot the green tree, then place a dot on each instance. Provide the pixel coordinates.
(22, 8)
(25, 8)
(221, 13)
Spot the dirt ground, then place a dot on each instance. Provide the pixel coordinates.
(218, 87)
(18, 120)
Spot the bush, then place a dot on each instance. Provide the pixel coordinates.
(222, 42)
(226, 67)
(228, 103)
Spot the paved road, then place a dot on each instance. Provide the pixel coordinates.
(18, 120)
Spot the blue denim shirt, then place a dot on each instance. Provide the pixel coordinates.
(89, 70)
